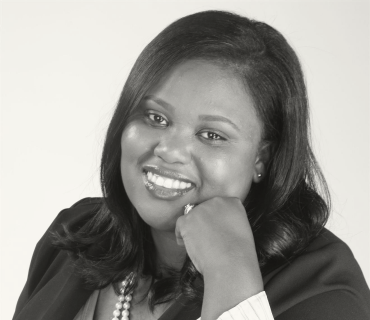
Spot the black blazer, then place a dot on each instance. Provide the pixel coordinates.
(323, 283)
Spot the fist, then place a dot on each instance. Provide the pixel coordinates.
(217, 236)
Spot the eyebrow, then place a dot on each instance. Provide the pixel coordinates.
(218, 118)
(159, 101)
(205, 117)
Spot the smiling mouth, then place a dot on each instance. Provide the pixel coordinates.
(164, 187)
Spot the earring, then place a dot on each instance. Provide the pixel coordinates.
(259, 175)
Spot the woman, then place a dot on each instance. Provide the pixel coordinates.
(213, 123)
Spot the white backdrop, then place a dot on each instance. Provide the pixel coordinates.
(63, 65)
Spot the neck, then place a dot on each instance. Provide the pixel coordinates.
(169, 253)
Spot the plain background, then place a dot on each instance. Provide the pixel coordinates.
(63, 65)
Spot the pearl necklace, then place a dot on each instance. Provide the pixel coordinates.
(124, 300)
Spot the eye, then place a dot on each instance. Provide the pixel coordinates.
(156, 119)
(211, 136)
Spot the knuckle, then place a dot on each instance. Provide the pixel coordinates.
(217, 200)
(180, 221)
(237, 200)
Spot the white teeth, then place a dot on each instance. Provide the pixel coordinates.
(167, 182)
(159, 181)
(182, 185)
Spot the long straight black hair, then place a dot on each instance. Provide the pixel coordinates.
(286, 210)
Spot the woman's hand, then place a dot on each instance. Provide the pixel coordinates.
(219, 241)
(215, 233)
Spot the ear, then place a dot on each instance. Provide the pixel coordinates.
(262, 160)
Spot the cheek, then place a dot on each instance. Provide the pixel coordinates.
(134, 144)
(228, 175)
(130, 137)
(133, 148)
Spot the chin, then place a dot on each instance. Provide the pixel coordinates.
(160, 218)
(161, 224)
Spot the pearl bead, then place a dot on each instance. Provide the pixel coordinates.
(116, 313)
(125, 313)
(124, 300)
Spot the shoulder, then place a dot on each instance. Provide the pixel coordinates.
(51, 267)
(81, 210)
(326, 271)
(75, 216)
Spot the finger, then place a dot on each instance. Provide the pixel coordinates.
(179, 223)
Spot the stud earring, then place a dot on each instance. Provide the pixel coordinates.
(259, 175)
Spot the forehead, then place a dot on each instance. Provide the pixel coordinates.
(197, 79)
(201, 87)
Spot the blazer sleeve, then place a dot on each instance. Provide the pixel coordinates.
(333, 305)
(49, 262)
(324, 283)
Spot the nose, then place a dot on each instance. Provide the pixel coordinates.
(174, 147)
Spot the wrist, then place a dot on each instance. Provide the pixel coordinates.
(226, 287)
(244, 280)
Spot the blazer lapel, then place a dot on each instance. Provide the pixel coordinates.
(59, 299)
(182, 309)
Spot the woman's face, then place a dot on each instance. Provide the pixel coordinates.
(194, 136)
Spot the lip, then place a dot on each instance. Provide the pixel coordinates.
(161, 192)
(167, 173)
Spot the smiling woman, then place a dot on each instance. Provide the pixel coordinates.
(197, 130)
(213, 119)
